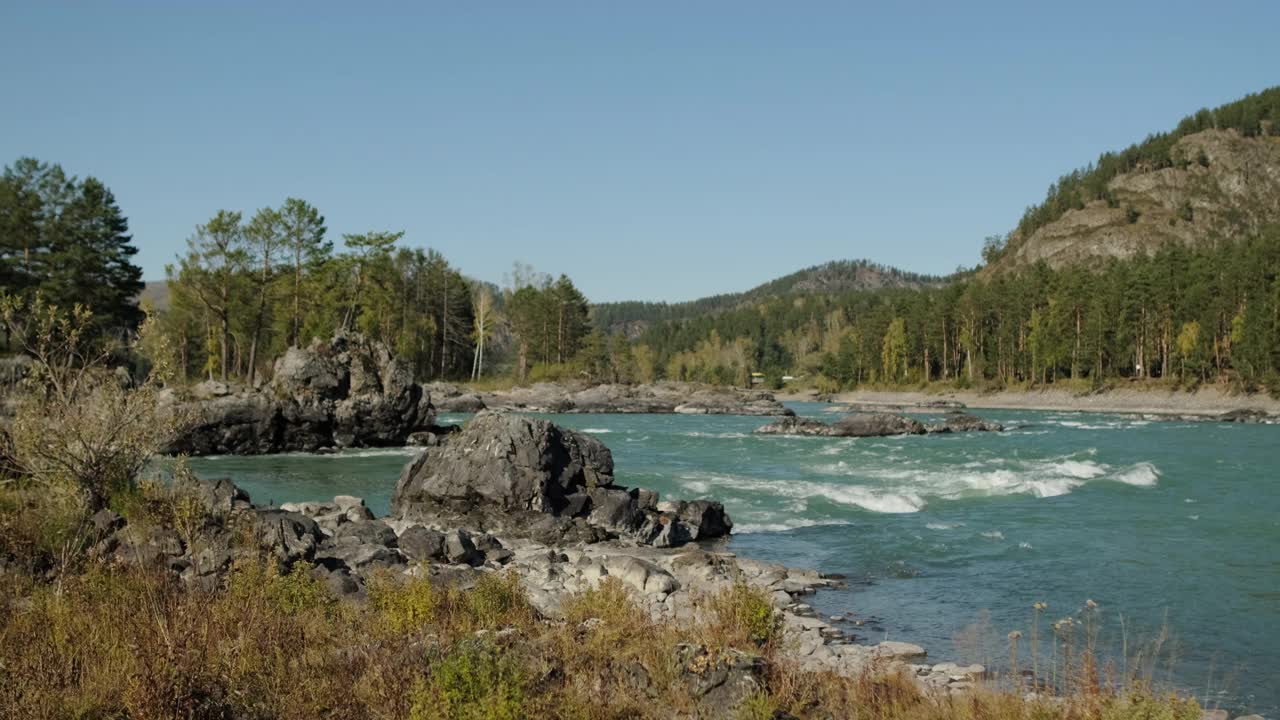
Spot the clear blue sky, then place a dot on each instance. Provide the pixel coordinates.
(659, 151)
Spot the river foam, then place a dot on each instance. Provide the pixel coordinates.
(908, 487)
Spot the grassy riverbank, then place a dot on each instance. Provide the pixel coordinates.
(134, 644)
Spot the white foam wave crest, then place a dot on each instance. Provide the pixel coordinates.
(696, 486)
(942, 526)
(908, 490)
(716, 435)
(596, 431)
(853, 495)
(373, 452)
(1144, 474)
(784, 525)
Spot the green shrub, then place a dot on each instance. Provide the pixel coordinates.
(403, 606)
(497, 600)
(477, 681)
(744, 614)
(757, 706)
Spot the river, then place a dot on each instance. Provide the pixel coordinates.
(948, 540)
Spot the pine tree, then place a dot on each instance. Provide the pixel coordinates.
(211, 271)
(304, 230)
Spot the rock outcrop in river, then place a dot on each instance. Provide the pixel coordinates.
(878, 424)
(518, 475)
(344, 392)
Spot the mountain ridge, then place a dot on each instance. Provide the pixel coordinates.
(632, 317)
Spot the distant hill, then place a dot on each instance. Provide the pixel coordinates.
(155, 292)
(1216, 177)
(633, 317)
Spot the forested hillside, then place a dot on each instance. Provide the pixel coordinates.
(1157, 261)
(633, 317)
(1216, 177)
(1189, 314)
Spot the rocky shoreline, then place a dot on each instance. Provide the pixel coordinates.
(517, 494)
(1205, 405)
(662, 398)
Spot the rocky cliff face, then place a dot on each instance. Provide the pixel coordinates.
(1225, 186)
(343, 392)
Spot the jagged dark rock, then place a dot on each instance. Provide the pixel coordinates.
(506, 473)
(344, 392)
(956, 422)
(1248, 415)
(422, 544)
(432, 436)
(289, 536)
(796, 426)
(877, 424)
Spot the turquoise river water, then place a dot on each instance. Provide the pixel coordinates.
(948, 541)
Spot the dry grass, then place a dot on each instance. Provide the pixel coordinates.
(121, 642)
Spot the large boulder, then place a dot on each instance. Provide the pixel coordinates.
(517, 475)
(501, 464)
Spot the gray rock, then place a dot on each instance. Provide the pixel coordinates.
(857, 425)
(893, 650)
(508, 473)
(347, 391)
(460, 550)
(615, 508)
(640, 574)
(795, 426)
(365, 532)
(1247, 415)
(220, 495)
(357, 557)
(422, 544)
(290, 537)
(964, 422)
(147, 546)
(706, 519)
(503, 463)
(876, 425)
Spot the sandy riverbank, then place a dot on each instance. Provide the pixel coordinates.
(1206, 401)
